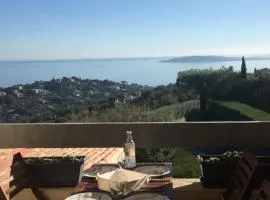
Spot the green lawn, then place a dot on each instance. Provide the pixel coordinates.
(244, 109)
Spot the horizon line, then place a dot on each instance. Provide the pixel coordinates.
(122, 58)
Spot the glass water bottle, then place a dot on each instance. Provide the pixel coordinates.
(129, 150)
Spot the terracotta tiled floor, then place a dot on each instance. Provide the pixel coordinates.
(93, 155)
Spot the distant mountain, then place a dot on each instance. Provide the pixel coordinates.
(188, 59)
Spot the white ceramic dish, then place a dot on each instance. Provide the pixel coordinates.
(121, 181)
(146, 196)
(93, 171)
(89, 196)
(154, 170)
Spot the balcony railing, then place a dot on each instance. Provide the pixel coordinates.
(210, 134)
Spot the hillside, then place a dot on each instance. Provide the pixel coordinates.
(202, 59)
(48, 101)
(187, 59)
(132, 113)
(175, 112)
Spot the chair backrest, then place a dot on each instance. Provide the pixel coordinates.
(20, 174)
(2, 194)
(264, 191)
(21, 178)
(241, 177)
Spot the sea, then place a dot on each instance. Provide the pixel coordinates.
(144, 71)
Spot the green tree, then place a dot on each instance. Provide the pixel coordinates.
(203, 97)
(243, 68)
(10, 100)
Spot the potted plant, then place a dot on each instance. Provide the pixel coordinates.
(56, 171)
(218, 169)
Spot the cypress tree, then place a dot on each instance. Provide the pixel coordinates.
(203, 97)
(243, 68)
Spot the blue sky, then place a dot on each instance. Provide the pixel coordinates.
(59, 29)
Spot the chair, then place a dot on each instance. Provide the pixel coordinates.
(241, 178)
(21, 178)
(2, 194)
(264, 191)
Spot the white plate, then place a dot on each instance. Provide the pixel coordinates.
(146, 196)
(153, 170)
(89, 196)
(92, 172)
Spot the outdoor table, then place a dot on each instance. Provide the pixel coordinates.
(158, 185)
